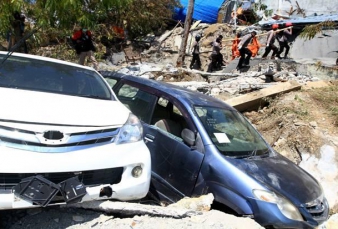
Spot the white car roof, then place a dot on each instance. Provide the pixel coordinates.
(45, 59)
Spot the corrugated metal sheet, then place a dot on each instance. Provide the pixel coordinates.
(300, 20)
(204, 10)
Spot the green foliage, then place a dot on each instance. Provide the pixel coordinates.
(259, 6)
(310, 31)
(142, 19)
(138, 16)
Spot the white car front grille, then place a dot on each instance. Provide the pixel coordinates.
(33, 141)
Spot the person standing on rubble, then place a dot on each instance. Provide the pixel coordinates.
(84, 46)
(270, 43)
(216, 51)
(196, 53)
(220, 60)
(244, 51)
(18, 26)
(283, 42)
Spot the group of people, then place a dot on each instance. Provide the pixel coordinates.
(280, 35)
(217, 61)
(245, 47)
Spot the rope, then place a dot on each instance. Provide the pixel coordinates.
(259, 35)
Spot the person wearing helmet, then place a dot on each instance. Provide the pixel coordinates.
(270, 43)
(244, 51)
(196, 53)
(282, 38)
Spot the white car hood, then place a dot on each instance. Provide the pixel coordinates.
(48, 108)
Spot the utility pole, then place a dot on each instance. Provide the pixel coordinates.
(187, 26)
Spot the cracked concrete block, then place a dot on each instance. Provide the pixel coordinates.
(214, 79)
(215, 91)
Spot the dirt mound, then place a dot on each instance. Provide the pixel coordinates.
(298, 122)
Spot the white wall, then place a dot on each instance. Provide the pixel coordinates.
(319, 46)
(310, 6)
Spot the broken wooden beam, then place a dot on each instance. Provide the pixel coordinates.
(255, 100)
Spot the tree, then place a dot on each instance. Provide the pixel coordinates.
(187, 26)
(62, 15)
(310, 31)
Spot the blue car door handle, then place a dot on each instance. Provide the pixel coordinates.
(149, 138)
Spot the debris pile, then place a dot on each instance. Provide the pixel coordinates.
(158, 62)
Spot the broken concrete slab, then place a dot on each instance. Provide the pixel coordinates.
(255, 100)
(253, 62)
(128, 208)
(183, 208)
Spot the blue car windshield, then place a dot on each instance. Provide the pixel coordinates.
(231, 132)
(46, 76)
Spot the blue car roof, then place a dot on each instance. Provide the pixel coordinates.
(180, 93)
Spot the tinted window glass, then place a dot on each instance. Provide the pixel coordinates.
(169, 118)
(138, 101)
(111, 82)
(39, 75)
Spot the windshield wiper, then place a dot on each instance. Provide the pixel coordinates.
(93, 96)
(17, 45)
(254, 154)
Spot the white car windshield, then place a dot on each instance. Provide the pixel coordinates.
(46, 76)
(231, 133)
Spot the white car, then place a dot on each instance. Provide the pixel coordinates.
(65, 137)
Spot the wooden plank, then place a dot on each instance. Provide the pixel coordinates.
(255, 100)
(195, 25)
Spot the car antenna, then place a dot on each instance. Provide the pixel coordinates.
(17, 45)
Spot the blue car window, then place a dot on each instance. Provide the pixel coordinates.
(168, 117)
(111, 82)
(137, 101)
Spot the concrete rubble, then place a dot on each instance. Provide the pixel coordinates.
(193, 210)
(159, 63)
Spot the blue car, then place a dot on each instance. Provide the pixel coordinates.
(201, 145)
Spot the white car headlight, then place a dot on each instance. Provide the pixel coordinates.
(131, 131)
(285, 206)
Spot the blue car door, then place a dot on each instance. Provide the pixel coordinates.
(175, 165)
